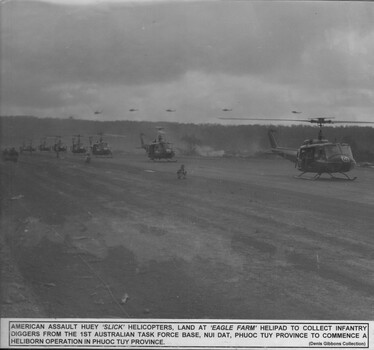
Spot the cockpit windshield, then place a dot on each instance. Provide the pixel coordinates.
(346, 150)
(331, 150)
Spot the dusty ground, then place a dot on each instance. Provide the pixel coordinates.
(239, 238)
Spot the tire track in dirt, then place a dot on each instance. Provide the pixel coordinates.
(226, 219)
(261, 244)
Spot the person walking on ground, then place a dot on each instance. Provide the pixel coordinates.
(182, 173)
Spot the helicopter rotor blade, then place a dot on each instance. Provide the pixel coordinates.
(103, 134)
(114, 135)
(318, 120)
(268, 119)
(351, 122)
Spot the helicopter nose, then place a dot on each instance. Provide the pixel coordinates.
(347, 163)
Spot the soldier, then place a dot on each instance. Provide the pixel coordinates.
(57, 150)
(88, 157)
(182, 173)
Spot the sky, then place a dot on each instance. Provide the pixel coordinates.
(98, 60)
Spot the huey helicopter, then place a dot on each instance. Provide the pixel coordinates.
(59, 146)
(43, 145)
(27, 148)
(100, 148)
(316, 156)
(77, 145)
(10, 154)
(159, 148)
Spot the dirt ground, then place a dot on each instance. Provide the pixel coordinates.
(238, 239)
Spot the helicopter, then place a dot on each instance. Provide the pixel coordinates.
(100, 148)
(317, 156)
(43, 145)
(59, 146)
(77, 146)
(10, 154)
(28, 148)
(159, 148)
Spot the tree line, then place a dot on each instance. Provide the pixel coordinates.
(234, 140)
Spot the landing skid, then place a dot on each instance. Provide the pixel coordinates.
(332, 177)
(300, 177)
(102, 156)
(346, 177)
(163, 160)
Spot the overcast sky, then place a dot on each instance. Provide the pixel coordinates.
(260, 59)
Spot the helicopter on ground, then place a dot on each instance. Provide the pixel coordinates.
(59, 146)
(10, 154)
(100, 148)
(43, 145)
(317, 156)
(77, 145)
(159, 148)
(27, 148)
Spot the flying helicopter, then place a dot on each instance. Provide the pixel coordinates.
(133, 110)
(227, 109)
(170, 110)
(159, 148)
(317, 156)
(43, 145)
(77, 145)
(100, 148)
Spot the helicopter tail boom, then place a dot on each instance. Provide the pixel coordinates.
(143, 144)
(287, 153)
(273, 141)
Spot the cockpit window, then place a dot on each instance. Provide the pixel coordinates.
(332, 150)
(319, 153)
(346, 150)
